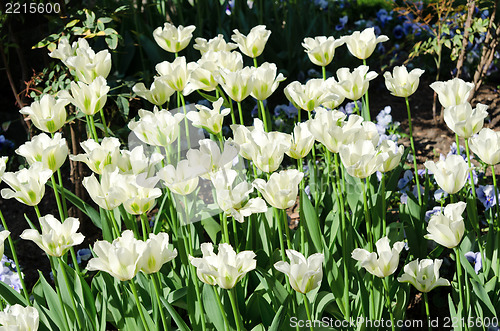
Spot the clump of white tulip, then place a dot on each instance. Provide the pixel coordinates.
(17, 317)
(253, 44)
(27, 185)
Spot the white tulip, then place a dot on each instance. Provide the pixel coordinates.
(159, 92)
(156, 253)
(486, 145)
(281, 190)
(361, 159)
(175, 74)
(424, 275)
(209, 119)
(452, 92)
(110, 192)
(48, 114)
(173, 39)
(157, 128)
(383, 263)
(310, 95)
(88, 65)
(321, 50)
(52, 152)
(401, 83)
(3, 235)
(362, 44)
(209, 158)
(27, 185)
(450, 174)
(447, 228)
(302, 141)
(303, 275)
(353, 85)
(98, 156)
(253, 44)
(394, 154)
(89, 98)
(237, 84)
(465, 121)
(215, 44)
(17, 317)
(182, 179)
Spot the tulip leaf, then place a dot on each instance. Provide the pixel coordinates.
(212, 307)
(322, 301)
(11, 296)
(278, 319)
(310, 218)
(482, 295)
(44, 294)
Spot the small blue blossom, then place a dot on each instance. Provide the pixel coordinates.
(403, 182)
(486, 194)
(83, 255)
(454, 151)
(290, 111)
(433, 211)
(350, 107)
(440, 194)
(398, 32)
(475, 259)
(383, 17)
(342, 22)
(9, 274)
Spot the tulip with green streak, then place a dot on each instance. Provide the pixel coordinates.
(253, 44)
(452, 92)
(281, 190)
(27, 185)
(48, 114)
(173, 39)
(215, 44)
(203, 73)
(353, 85)
(17, 317)
(465, 121)
(209, 119)
(321, 49)
(265, 81)
(156, 253)
(383, 263)
(157, 128)
(159, 92)
(99, 156)
(137, 162)
(182, 179)
(447, 229)
(450, 173)
(310, 95)
(209, 158)
(88, 98)
(361, 159)
(88, 65)
(302, 141)
(486, 145)
(110, 192)
(402, 83)
(362, 44)
(423, 274)
(52, 152)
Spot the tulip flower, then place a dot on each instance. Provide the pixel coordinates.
(17, 317)
(88, 65)
(361, 159)
(52, 152)
(182, 179)
(362, 44)
(215, 44)
(3, 235)
(452, 92)
(394, 154)
(401, 83)
(235, 201)
(310, 95)
(303, 275)
(383, 263)
(64, 50)
(302, 141)
(136, 162)
(156, 253)
(209, 159)
(450, 174)
(265, 81)
(209, 119)
(230, 61)
(321, 50)
(110, 192)
(56, 238)
(3, 165)
(173, 39)
(175, 74)
(203, 73)
(253, 44)
(140, 199)
(98, 156)
(121, 258)
(27, 185)
(354, 85)
(48, 114)
(447, 229)
(89, 98)
(281, 190)
(225, 268)
(157, 128)
(238, 84)
(424, 275)
(158, 94)
(334, 92)
(465, 121)
(265, 149)
(486, 145)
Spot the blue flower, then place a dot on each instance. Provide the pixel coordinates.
(486, 194)
(83, 255)
(440, 194)
(433, 211)
(475, 260)
(290, 111)
(403, 182)
(9, 274)
(383, 17)
(384, 118)
(350, 107)
(398, 32)
(454, 151)
(343, 21)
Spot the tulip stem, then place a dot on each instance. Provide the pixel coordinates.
(145, 226)
(314, 172)
(235, 234)
(428, 314)
(496, 194)
(308, 310)
(287, 229)
(186, 124)
(367, 110)
(103, 120)
(225, 231)
(240, 112)
(70, 291)
(460, 286)
(90, 119)
(356, 108)
(58, 290)
(267, 126)
(255, 62)
(367, 217)
(323, 71)
(16, 261)
(138, 302)
(280, 233)
(234, 305)
(412, 144)
(384, 211)
(233, 117)
(301, 196)
(155, 279)
(385, 281)
(113, 222)
(221, 308)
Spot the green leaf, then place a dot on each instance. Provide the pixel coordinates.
(310, 218)
(483, 296)
(278, 319)
(212, 307)
(11, 296)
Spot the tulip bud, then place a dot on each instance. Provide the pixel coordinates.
(56, 238)
(225, 268)
(382, 264)
(486, 145)
(354, 85)
(52, 152)
(447, 229)
(253, 44)
(303, 275)
(321, 50)
(48, 114)
(361, 159)
(120, 258)
(465, 121)
(424, 275)
(265, 81)
(401, 83)
(282, 188)
(3, 235)
(302, 141)
(394, 154)
(362, 44)
(89, 98)
(173, 39)
(450, 174)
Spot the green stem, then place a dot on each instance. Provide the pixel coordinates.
(114, 224)
(267, 126)
(221, 308)
(427, 312)
(71, 295)
(92, 127)
(158, 300)
(367, 217)
(240, 112)
(287, 229)
(385, 281)
(58, 290)
(234, 305)
(233, 117)
(417, 182)
(16, 261)
(63, 195)
(186, 124)
(235, 235)
(138, 302)
(496, 194)
(103, 120)
(384, 211)
(367, 108)
(308, 310)
(225, 231)
(460, 288)
(145, 226)
(356, 108)
(280, 233)
(323, 71)
(255, 62)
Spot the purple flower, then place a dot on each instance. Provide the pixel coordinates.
(403, 182)
(383, 17)
(486, 194)
(343, 21)
(440, 194)
(398, 32)
(9, 274)
(290, 111)
(475, 260)
(454, 151)
(349, 107)
(433, 211)
(83, 255)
